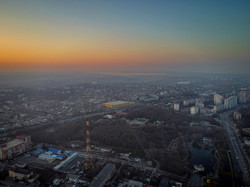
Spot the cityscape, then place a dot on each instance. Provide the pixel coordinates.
(124, 93)
(165, 131)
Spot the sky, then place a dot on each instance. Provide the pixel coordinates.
(131, 35)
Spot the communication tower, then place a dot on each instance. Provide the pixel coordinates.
(88, 163)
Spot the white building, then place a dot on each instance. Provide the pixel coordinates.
(47, 156)
(176, 106)
(218, 99)
(194, 110)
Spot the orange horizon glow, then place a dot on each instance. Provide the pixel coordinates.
(28, 51)
(86, 35)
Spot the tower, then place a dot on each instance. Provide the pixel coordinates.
(88, 159)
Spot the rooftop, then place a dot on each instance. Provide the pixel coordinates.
(103, 176)
(116, 103)
(11, 144)
(19, 170)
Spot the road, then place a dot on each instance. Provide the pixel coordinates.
(238, 156)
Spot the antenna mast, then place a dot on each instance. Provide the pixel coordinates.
(88, 159)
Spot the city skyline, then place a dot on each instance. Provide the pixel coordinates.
(139, 36)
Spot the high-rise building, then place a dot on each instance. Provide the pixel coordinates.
(218, 99)
(243, 96)
(194, 110)
(230, 102)
(176, 106)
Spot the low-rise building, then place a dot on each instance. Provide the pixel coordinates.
(47, 156)
(77, 179)
(22, 174)
(116, 104)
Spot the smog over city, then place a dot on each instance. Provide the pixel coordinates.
(135, 93)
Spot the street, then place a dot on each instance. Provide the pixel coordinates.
(238, 156)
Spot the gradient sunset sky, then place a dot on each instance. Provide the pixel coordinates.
(129, 35)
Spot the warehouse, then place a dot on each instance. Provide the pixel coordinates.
(47, 156)
(105, 174)
(117, 104)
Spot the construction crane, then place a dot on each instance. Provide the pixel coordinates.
(88, 162)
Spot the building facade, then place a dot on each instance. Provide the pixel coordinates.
(218, 99)
(14, 147)
(243, 96)
(230, 102)
(194, 110)
(176, 106)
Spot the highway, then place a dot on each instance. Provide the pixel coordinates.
(238, 156)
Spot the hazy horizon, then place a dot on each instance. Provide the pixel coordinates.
(130, 36)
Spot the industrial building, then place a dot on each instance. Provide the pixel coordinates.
(22, 174)
(105, 174)
(14, 147)
(64, 163)
(117, 104)
(47, 156)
